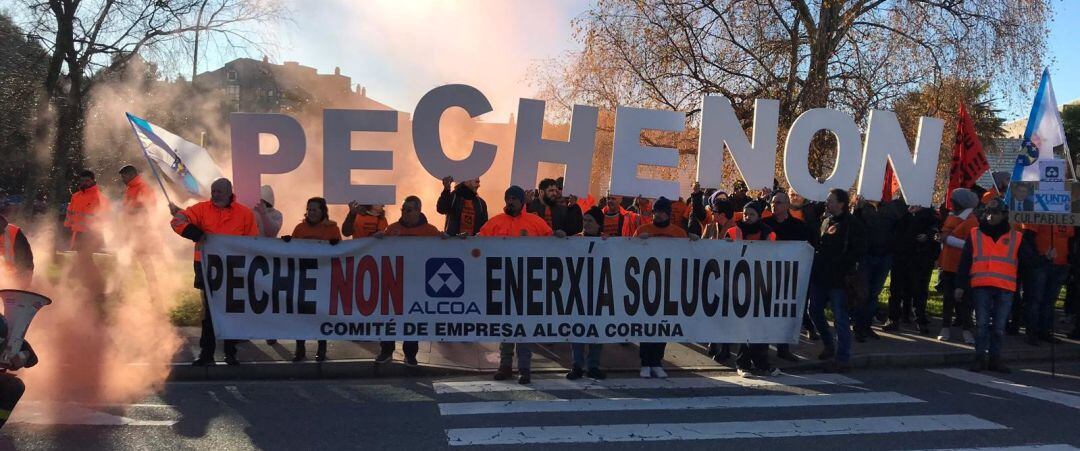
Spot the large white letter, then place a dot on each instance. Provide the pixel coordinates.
(339, 158)
(629, 153)
(426, 140)
(797, 152)
(530, 148)
(915, 171)
(719, 126)
(249, 165)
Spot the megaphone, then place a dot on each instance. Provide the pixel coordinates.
(19, 309)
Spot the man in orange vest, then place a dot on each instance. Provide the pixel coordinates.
(221, 215)
(83, 219)
(954, 231)
(988, 267)
(1044, 279)
(515, 221)
(18, 258)
(138, 202)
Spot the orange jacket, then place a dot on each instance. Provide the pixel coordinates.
(735, 233)
(207, 218)
(366, 225)
(506, 225)
(1052, 237)
(958, 228)
(138, 196)
(671, 231)
(85, 210)
(994, 263)
(633, 221)
(424, 229)
(326, 230)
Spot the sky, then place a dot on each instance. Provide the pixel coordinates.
(400, 50)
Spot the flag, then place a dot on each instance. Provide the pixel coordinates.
(1044, 135)
(185, 164)
(586, 203)
(891, 186)
(968, 159)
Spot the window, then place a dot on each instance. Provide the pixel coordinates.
(233, 91)
(231, 75)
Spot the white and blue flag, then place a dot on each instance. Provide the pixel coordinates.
(187, 165)
(1044, 135)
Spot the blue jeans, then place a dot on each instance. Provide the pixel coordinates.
(875, 269)
(991, 313)
(1040, 311)
(577, 350)
(836, 298)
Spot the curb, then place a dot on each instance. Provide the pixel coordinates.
(367, 368)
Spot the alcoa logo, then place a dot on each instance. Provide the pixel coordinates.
(445, 277)
(1052, 172)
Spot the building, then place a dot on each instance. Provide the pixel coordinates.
(250, 85)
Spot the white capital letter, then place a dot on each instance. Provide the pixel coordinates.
(719, 127)
(530, 148)
(629, 153)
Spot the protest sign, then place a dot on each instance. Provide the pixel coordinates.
(507, 289)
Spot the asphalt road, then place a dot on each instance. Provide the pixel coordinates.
(880, 409)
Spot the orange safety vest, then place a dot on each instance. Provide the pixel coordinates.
(735, 233)
(235, 220)
(9, 246)
(994, 263)
(83, 211)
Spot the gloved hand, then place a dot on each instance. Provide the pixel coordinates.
(286, 238)
(334, 242)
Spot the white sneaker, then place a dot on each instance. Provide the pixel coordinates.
(944, 335)
(743, 373)
(659, 372)
(968, 338)
(645, 372)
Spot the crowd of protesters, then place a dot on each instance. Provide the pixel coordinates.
(995, 278)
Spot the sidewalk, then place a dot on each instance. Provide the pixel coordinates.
(905, 348)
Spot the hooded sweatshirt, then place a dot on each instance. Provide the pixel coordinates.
(466, 212)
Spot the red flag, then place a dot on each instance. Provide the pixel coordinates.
(586, 203)
(891, 186)
(968, 160)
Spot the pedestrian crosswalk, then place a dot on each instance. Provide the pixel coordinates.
(554, 410)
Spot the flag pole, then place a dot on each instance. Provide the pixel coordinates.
(153, 168)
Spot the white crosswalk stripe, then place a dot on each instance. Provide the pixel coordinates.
(459, 405)
(1056, 397)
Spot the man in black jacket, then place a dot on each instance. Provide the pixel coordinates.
(466, 212)
(557, 211)
(787, 228)
(841, 244)
(880, 221)
(914, 253)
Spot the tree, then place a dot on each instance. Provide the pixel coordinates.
(855, 55)
(84, 36)
(23, 66)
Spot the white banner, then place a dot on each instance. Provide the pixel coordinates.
(507, 289)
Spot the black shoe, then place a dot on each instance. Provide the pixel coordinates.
(575, 373)
(979, 364)
(231, 360)
(712, 349)
(891, 327)
(410, 360)
(300, 357)
(1049, 339)
(503, 373)
(384, 357)
(827, 354)
(203, 361)
(787, 355)
(996, 366)
(595, 373)
(271, 342)
(524, 378)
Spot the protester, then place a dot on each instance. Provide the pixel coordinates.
(914, 253)
(1047, 274)
(84, 219)
(753, 358)
(880, 222)
(614, 216)
(220, 215)
(315, 226)
(514, 221)
(138, 203)
(956, 227)
(809, 212)
(988, 268)
(412, 223)
(652, 354)
(721, 216)
(267, 217)
(466, 212)
(738, 197)
(841, 244)
(639, 215)
(591, 227)
(18, 257)
(363, 220)
(11, 387)
(787, 228)
(138, 197)
(554, 209)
